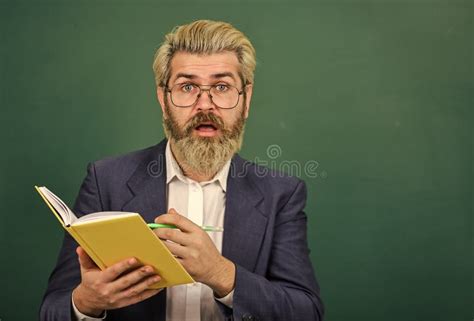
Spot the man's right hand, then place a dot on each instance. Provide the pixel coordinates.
(119, 285)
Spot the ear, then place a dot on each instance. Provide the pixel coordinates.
(160, 94)
(249, 90)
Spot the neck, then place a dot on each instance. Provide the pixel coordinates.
(186, 169)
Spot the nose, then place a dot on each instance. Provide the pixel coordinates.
(204, 100)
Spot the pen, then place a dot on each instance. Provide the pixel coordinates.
(205, 228)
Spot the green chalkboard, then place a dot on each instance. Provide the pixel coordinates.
(371, 102)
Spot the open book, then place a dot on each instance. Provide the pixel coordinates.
(109, 237)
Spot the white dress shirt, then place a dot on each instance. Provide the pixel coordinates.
(204, 204)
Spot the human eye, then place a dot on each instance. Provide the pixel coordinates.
(221, 87)
(187, 87)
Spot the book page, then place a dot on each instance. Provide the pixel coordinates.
(59, 206)
(102, 216)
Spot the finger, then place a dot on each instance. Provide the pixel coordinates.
(137, 289)
(133, 277)
(140, 297)
(173, 235)
(179, 221)
(181, 261)
(172, 211)
(114, 271)
(85, 260)
(176, 249)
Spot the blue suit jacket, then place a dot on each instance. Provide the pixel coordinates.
(265, 236)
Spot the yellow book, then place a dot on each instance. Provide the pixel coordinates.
(109, 237)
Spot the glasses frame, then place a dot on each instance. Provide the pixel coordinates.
(168, 89)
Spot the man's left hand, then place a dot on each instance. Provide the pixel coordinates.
(197, 253)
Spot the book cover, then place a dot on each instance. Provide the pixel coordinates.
(109, 237)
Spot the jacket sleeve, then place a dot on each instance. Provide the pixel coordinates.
(56, 305)
(289, 290)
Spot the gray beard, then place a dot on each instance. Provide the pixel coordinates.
(204, 155)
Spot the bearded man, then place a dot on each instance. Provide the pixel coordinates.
(259, 267)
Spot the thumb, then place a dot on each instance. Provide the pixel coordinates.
(85, 260)
(172, 211)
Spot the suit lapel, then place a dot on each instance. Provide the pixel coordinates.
(148, 186)
(244, 224)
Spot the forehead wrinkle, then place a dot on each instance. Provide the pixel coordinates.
(198, 68)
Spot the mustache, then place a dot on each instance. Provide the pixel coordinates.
(200, 118)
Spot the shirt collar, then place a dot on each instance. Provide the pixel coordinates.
(173, 170)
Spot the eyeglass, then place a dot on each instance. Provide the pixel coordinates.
(222, 95)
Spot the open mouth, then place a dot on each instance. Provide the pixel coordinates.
(206, 127)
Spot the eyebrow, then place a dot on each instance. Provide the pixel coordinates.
(223, 75)
(215, 76)
(183, 75)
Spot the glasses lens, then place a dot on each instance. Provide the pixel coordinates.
(224, 96)
(184, 95)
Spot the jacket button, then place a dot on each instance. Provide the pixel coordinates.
(248, 317)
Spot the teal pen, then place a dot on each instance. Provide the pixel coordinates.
(205, 228)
